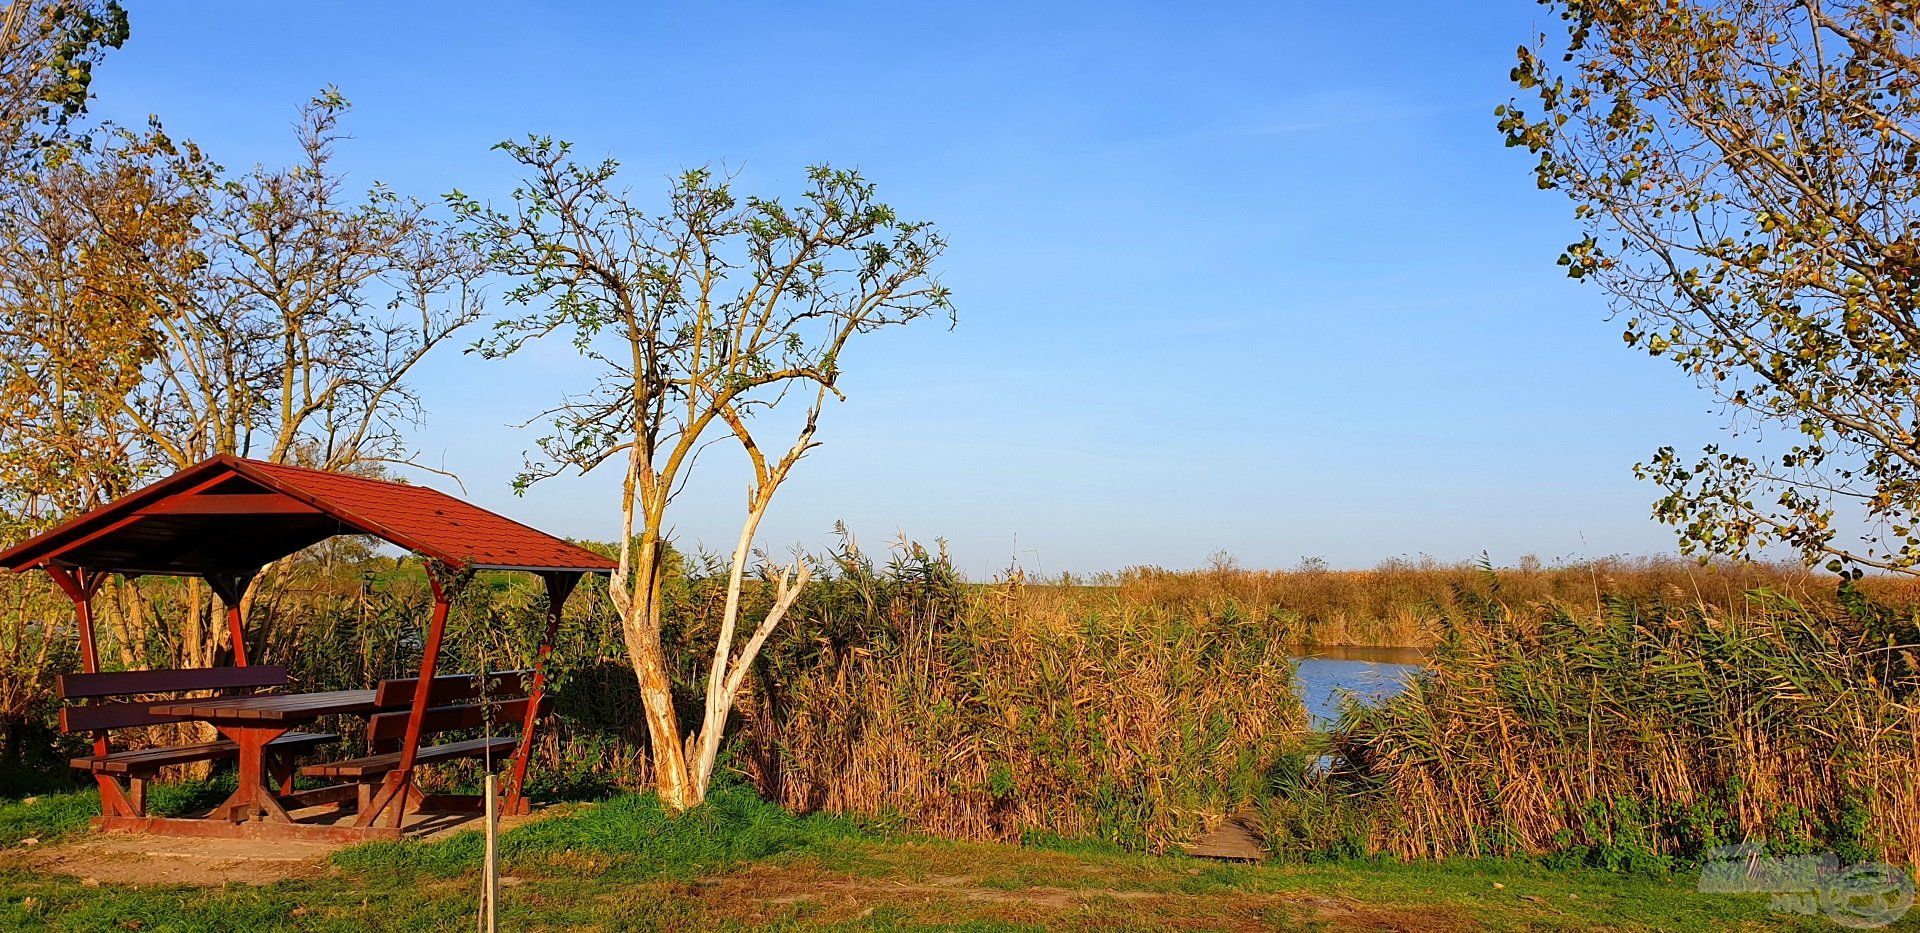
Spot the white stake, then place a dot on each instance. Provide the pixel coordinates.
(490, 875)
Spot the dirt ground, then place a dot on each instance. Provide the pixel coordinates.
(759, 894)
(125, 858)
(140, 859)
(907, 882)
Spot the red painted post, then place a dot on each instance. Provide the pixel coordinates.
(423, 691)
(559, 587)
(401, 778)
(80, 585)
(239, 637)
(231, 590)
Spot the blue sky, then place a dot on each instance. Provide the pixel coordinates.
(1252, 277)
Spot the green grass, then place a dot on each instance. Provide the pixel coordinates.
(627, 838)
(49, 817)
(739, 863)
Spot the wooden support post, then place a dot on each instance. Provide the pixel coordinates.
(559, 587)
(137, 793)
(391, 801)
(255, 780)
(113, 799)
(280, 769)
(232, 590)
(237, 635)
(80, 585)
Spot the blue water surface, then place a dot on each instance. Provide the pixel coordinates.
(1327, 673)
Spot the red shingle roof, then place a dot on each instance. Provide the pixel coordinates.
(189, 524)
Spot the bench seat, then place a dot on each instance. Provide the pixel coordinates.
(148, 760)
(370, 765)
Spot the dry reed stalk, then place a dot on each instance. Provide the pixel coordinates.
(1019, 712)
(1684, 727)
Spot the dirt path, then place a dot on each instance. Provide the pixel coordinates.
(766, 894)
(120, 858)
(933, 883)
(136, 859)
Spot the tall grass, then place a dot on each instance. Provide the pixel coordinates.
(1005, 712)
(1651, 730)
(1612, 710)
(1408, 603)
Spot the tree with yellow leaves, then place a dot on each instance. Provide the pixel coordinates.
(1747, 177)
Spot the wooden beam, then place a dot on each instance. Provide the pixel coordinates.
(335, 793)
(268, 503)
(52, 556)
(232, 589)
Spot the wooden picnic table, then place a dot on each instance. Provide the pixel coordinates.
(252, 722)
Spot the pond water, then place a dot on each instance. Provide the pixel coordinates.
(1326, 672)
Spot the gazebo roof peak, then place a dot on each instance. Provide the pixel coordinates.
(232, 515)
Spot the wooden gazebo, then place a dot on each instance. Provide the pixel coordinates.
(226, 519)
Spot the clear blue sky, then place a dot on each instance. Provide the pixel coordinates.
(1254, 277)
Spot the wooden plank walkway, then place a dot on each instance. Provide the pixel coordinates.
(1239, 838)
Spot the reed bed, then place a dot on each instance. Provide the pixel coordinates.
(1611, 710)
(1004, 712)
(1409, 603)
(1649, 730)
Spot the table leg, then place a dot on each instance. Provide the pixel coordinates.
(280, 769)
(252, 797)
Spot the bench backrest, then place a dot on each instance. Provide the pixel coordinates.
(101, 715)
(450, 688)
(458, 703)
(393, 726)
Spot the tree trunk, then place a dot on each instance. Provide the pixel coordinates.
(672, 778)
(640, 623)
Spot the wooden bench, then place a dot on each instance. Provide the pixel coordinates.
(455, 702)
(105, 711)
